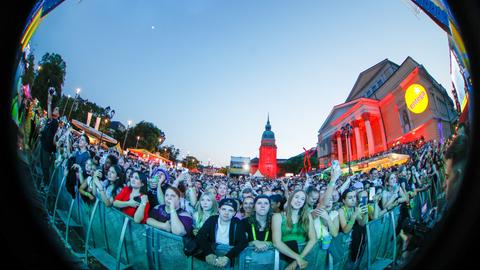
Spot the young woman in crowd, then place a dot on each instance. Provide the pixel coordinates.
(259, 223)
(206, 207)
(87, 186)
(313, 195)
(108, 189)
(247, 208)
(222, 191)
(351, 212)
(222, 229)
(325, 218)
(292, 228)
(133, 200)
(169, 216)
(393, 194)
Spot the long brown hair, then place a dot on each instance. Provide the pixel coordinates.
(303, 212)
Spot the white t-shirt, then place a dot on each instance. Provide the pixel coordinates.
(321, 229)
(222, 235)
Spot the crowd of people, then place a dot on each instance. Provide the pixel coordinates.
(291, 214)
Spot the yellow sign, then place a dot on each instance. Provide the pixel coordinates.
(416, 98)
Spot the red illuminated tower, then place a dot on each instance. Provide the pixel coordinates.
(267, 163)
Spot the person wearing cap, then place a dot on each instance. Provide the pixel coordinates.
(224, 231)
(258, 224)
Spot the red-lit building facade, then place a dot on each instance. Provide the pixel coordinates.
(381, 115)
(267, 162)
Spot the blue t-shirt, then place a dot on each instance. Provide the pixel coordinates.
(81, 158)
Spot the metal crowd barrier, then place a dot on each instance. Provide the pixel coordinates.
(117, 242)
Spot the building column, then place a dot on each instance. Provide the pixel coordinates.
(339, 148)
(382, 131)
(358, 140)
(368, 129)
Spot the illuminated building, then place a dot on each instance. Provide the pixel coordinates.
(389, 104)
(267, 162)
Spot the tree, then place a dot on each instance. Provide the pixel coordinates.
(169, 152)
(190, 162)
(51, 74)
(29, 76)
(149, 136)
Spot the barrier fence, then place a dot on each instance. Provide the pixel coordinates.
(117, 242)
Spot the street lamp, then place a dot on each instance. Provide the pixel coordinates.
(77, 92)
(126, 134)
(66, 103)
(138, 138)
(346, 133)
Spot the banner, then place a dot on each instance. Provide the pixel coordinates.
(89, 118)
(97, 123)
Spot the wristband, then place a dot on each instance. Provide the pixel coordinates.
(351, 222)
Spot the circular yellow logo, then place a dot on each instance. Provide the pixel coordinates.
(416, 98)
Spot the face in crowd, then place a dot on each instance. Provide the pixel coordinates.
(298, 200)
(206, 203)
(248, 204)
(89, 167)
(82, 142)
(212, 190)
(392, 180)
(108, 164)
(246, 195)
(313, 199)
(112, 175)
(350, 199)
(262, 206)
(172, 198)
(135, 181)
(328, 205)
(222, 190)
(226, 213)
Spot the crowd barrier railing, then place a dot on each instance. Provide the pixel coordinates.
(117, 242)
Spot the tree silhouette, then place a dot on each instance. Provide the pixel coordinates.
(51, 74)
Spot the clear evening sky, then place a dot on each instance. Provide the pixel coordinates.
(208, 72)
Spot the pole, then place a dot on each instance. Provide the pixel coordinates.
(71, 108)
(348, 153)
(64, 107)
(126, 134)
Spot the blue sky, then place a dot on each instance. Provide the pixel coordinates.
(208, 72)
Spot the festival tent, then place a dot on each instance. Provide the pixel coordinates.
(93, 133)
(143, 153)
(258, 174)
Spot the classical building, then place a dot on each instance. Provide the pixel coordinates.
(388, 104)
(267, 162)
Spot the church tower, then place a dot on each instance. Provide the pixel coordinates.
(267, 163)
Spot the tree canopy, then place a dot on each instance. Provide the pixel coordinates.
(51, 74)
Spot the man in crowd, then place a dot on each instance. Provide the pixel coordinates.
(47, 142)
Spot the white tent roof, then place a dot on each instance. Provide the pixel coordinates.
(258, 174)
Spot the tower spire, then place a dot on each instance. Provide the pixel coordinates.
(267, 126)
